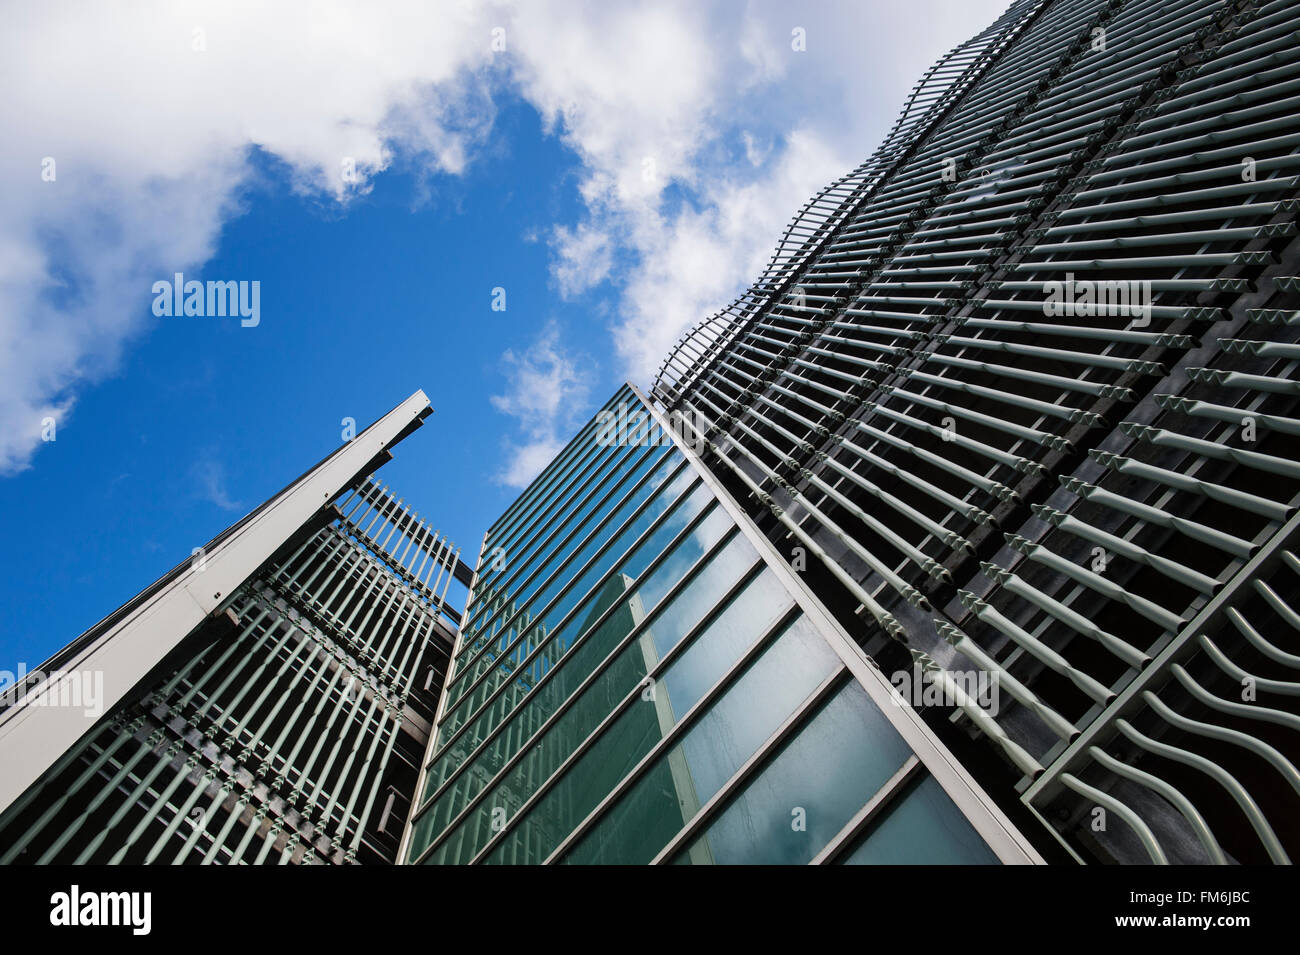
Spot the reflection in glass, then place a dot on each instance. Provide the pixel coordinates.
(806, 794)
(921, 827)
(671, 792)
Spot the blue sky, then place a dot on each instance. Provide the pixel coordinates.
(208, 139)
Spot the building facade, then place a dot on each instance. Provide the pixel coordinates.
(968, 534)
(266, 701)
(640, 679)
(1023, 390)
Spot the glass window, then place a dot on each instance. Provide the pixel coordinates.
(554, 550)
(517, 608)
(627, 738)
(921, 827)
(704, 534)
(806, 794)
(541, 493)
(671, 791)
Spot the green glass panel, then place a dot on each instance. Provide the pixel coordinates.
(637, 729)
(922, 827)
(806, 794)
(558, 641)
(670, 793)
(556, 555)
(579, 660)
(559, 472)
(510, 590)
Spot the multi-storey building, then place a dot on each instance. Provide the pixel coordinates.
(640, 678)
(267, 700)
(969, 533)
(1023, 388)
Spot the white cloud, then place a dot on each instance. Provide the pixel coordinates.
(584, 257)
(755, 152)
(718, 100)
(547, 391)
(712, 99)
(151, 138)
(208, 476)
(695, 263)
(698, 128)
(525, 461)
(621, 82)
